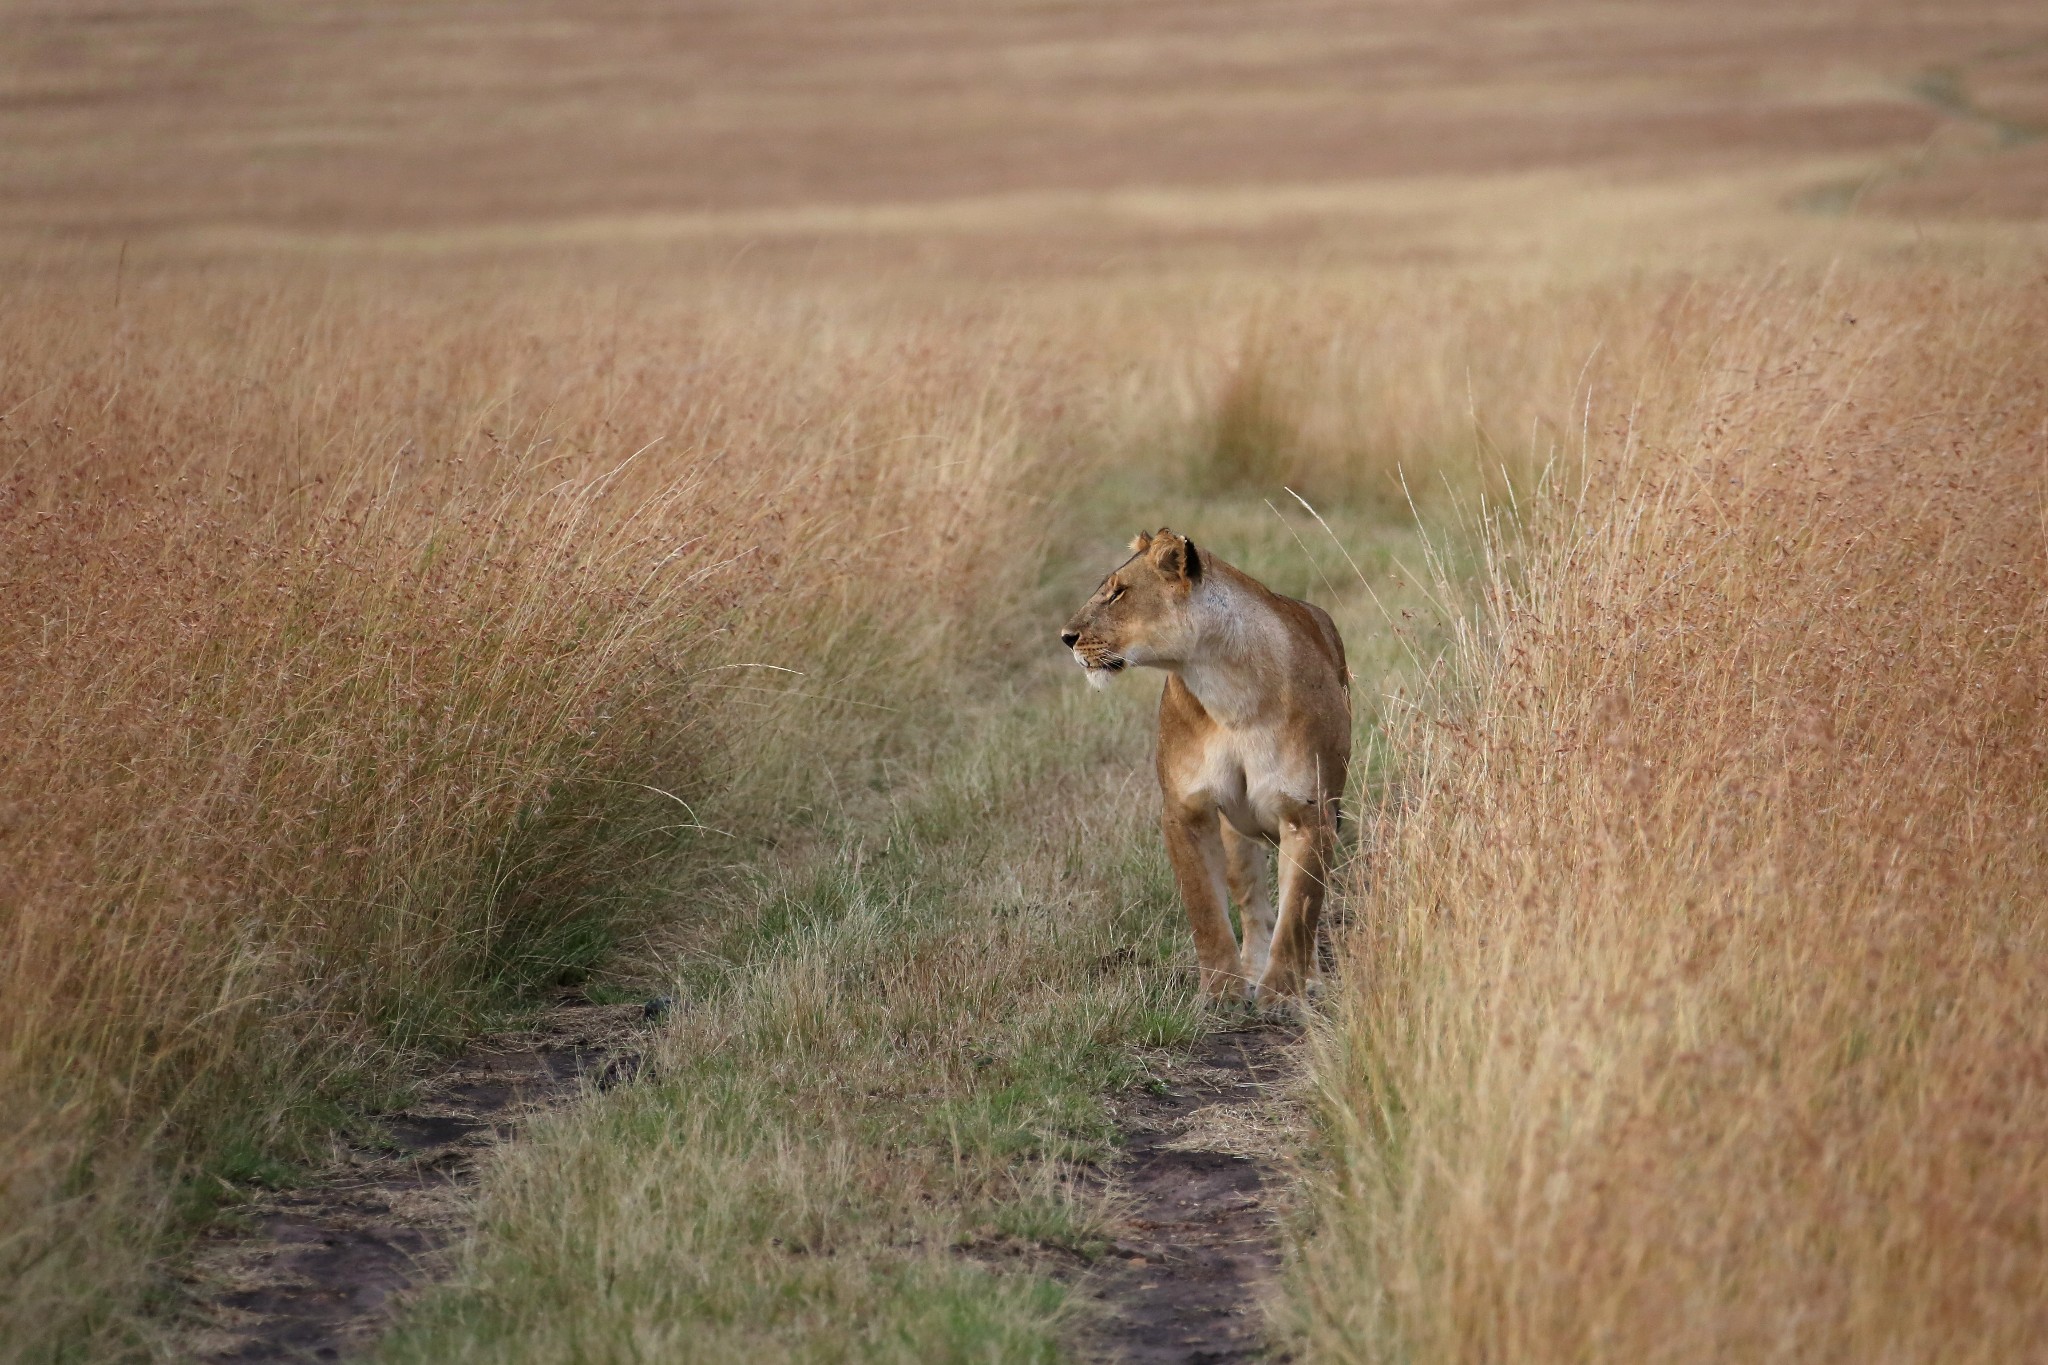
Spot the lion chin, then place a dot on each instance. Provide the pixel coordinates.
(1100, 671)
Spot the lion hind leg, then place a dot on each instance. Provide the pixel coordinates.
(1305, 848)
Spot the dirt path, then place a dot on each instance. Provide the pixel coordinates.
(1198, 1252)
(325, 1266)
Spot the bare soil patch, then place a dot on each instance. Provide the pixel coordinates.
(1197, 1255)
(323, 1267)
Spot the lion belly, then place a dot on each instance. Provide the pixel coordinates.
(1252, 779)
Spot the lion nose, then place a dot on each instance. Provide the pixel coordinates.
(1069, 637)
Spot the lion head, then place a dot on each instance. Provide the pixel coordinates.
(1140, 614)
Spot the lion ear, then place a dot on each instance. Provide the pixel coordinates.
(1141, 542)
(1176, 556)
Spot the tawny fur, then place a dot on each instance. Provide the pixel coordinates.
(1254, 738)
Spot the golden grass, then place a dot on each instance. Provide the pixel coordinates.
(378, 648)
(369, 656)
(1690, 1009)
(381, 649)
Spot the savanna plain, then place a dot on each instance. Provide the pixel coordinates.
(503, 502)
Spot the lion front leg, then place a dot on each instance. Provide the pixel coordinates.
(1245, 862)
(1306, 842)
(1194, 844)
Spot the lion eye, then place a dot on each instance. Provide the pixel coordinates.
(1115, 593)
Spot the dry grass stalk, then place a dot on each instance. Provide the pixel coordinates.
(369, 657)
(1690, 1015)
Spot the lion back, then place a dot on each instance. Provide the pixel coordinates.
(1333, 643)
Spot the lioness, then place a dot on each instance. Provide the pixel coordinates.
(1254, 736)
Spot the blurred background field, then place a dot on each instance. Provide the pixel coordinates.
(785, 139)
(420, 426)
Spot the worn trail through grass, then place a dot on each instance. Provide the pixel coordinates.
(922, 1096)
(1196, 1266)
(318, 1268)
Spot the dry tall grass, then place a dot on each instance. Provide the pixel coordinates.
(1692, 1009)
(379, 649)
(1378, 390)
(370, 654)
(376, 651)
